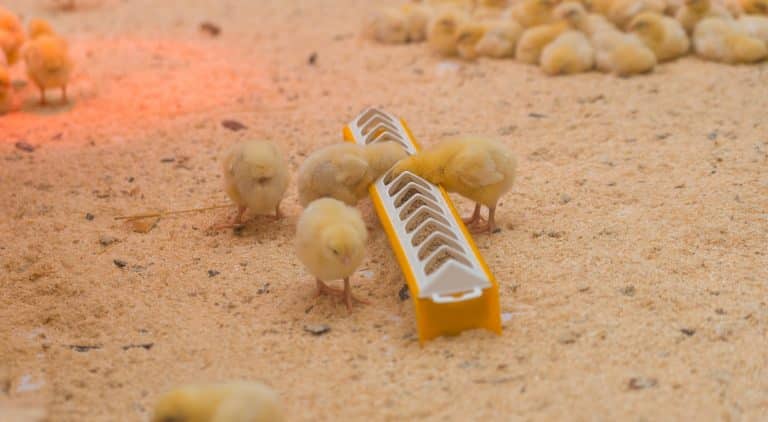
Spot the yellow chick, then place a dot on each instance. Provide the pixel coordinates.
(477, 168)
(387, 25)
(255, 178)
(530, 13)
(345, 171)
(601, 7)
(755, 26)
(489, 9)
(47, 58)
(577, 17)
(533, 41)
(5, 90)
(622, 54)
(755, 7)
(416, 19)
(467, 37)
(663, 35)
(466, 5)
(500, 39)
(725, 41)
(693, 11)
(569, 53)
(443, 29)
(622, 11)
(225, 402)
(330, 242)
(11, 35)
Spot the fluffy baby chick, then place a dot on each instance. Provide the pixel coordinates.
(489, 9)
(755, 26)
(725, 41)
(500, 39)
(255, 178)
(345, 171)
(622, 54)
(225, 402)
(601, 7)
(467, 37)
(5, 90)
(754, 7)
(577, 17)
(530, 13)
(693, 11)
(533, 41)
(387, 25)
(662, 34)
(622, 11)
(569, 53)
(47, 58)
(11, 35)
(443, 29)
(416, 20)
(330, 242)
(477, 168)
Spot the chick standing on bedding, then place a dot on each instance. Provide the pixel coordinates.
(477, 168)
(255, 178)
(11, 35)
(533, 41)
(443, 29)
(693, 11)
(569, 53)
(725, 41)
(345, 171)
(500, 39)
(225, 402)
(622, 54)
(662, 34)
(330, 242)
(416, 19)
(467, 37)
(47, 58)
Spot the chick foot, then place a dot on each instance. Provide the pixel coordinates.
(489, 227)
(235, 223)
(474, 218)
(345, 294)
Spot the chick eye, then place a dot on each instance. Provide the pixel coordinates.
(335, 252)
(262, 180)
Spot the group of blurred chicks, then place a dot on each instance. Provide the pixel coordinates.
(330, 234)
(44, 53)
(624, 37)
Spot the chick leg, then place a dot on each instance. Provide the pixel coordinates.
(490, 226)
(475, 216)
(42, 97)
(323, 288)
(349, 297)
(278, 214)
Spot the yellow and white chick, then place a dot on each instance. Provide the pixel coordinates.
(533, 41)
(693, 11)
(755, 26)
(467, 37)
(11, 35)
(569, 53)
(443, 29)
(330, 242)
(6, 90)
(47, 58)
(225, 402)
(255, 178)
(387, 25)
(622, 11)
(663, 35)
(500, 39)
(622, 54)
(577, 17)
(477, 168)
(345, 171)
(530, 13)
(725, 41)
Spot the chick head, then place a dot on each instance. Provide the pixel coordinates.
(342, 244)
(647, 24)
(38, 27)
(181, 405)
(447, 23)
(381, 156)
